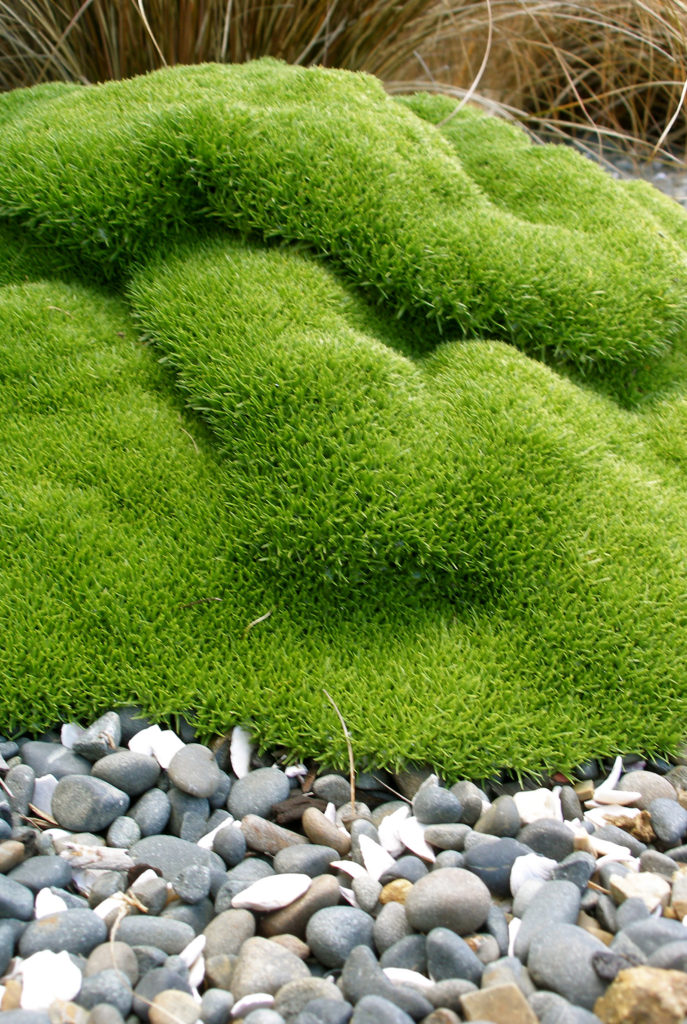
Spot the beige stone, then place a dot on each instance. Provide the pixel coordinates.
(585, 790)
(11, 997)
(679, 894)
(173, 1007)
(501, 1004)
(644, 995)
(293, 944)
(264, 836)
(219, 970)
(321, 831)
(11, 854)
(395, 891)
(292, 920)
(442, 1016)
(62, 1011)
(655, 890)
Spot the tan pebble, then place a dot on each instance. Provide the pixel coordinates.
(293, 944)
(62, 1012)
(395, 891)
(11, 997)
(500, 1004)
(173, 1007)
(591, 925)
(321, 831)
(584, 790)
(442, 1016)
(642, 994)
(264, 836)
(654, 889)
(219, 969)
(682, 798)
(679, 894)
(292, 920)
(11, 854)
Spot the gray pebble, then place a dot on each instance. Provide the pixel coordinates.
(668, 820)
(76, 931)
(100, 738)
(570, 804)
(649, 785)
(194, 770)
(239, 878)
(192, 884)
(577, 867)
(608, 964)
(127, 770)
(230, 844)
(167, 935)
(335, 789)
(548, 837)
(196, 915)
(257, 792)
(123, 833)
(81, 803)
(333, 932)
(671, 957)
(448, 898)
(42, 872)
(104, 1013)
(471, 798)
(448, 859)
(20, 781)
(410, 953)
(434, 805)
(159, 979)
(366, 891)
(228, 931)
(170, 854)
(53, 759)
(631, 910)
(408, 866)
(8, 936)
(618, 835)
(556, 903)
(492, 862)
(151, 813)
(391, 924)
(449, 956)
(560, 959)
(215, 1006)
(377, 1010)
(658, 863)
(264, 966)
(325, 1011)
(650, 934)
(362, 976)
(309, 859)
(108, 986)
(152, 893)
(113, 954)
(182, 805)
(554, 1009)
(263, 1016)
(447, 836)
(296, 995)
(501, 819)
(496, 926)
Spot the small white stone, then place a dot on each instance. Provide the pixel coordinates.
(46, 903)
(530, 865)
(375, 857)
(618, 797)
(240, 751)
(404, 976)
(412, 834)
(47, 976)
(43, 789)
(205, 842)
(535, 804)
(142, 742)
(254, 1001)
(389, 831)
(272, 893)
(653, 889)
(513, 929)
(190, 953)
(348, 895)
(165, 746)
(70, 733)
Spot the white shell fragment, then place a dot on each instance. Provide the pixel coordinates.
(530, 865)
(513, 929)
(102, 858)
(48, 903)
(142, 742)
(70, 733)
(43, 789)
(330, 813)
(240, 751)
(142, 880)
(295, 771)
(404, 976)
(205, 842)
(619, 797)
(165, 746)
(389, 831)
(375, 857)
(535, 804)
(350, 868)
(348, 895)
(612, 781)
(255, 1001)
(604, 815)
(273, 892)
(192, 955)
(113, 908)
(47, 976)
(412, 835)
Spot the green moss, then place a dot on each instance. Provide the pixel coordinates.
(482, 558)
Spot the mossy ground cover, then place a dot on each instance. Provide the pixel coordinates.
(275, 343)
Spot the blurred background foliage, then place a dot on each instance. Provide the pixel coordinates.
(597, 70)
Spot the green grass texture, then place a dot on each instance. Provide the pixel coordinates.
(306, 388)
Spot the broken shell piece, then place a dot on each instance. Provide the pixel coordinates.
(165, 746)
(70, 733)
(535, 804)
(653, 889)
(404, 976)
(389, 831)
(601, 816)
(513, 929)
(240, 751)
(612, 781)
(600, 847)
(348, 895)
(296, 771)
(43, 789)
(254, 1001)
(48, 903)
(142, 880)
(142, 742)
(375, 857)
(272, 893)
(351, 868)
(619, 797)
(530, 865)
(47, 976)
(412, 835)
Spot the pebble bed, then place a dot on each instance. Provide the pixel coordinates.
(147, 877)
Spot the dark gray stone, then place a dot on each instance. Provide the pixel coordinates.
(333, 932)
(42, 872)
(671, 957)
(16, 900)
(7, 941)
(151, 813)
(127, 770)
(257, 792)
(408, 866)
(608, 963)
(448, 898)
(434, 805)
(668, 820)
(81, 803)
(560, 959)
(570, 804)
(334, 789)
(20, 782)
(76, 931)
(168, 935)
(194, 770)
(658, 863)
(447, 836)
(555, 903)
(53, 759)
(548, 837)
(309, 859)
(215, 1006)
(377, 1010)
(492, 863)
(123, 833)
(613, 834)
(631, 910)
(449, 956)
(230, 844)
(192, 884)
(362, 976)
(649, 935)
(577, 867)
(100, 738)
(170, 855)
(108, 986)
(470, 797)
(183, 804)
(496, 925)
(159, 979)
(410, 953)
(501, 819)
(239, 878)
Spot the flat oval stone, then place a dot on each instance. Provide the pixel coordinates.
(447, 836)
(548, 837)
(81, 803)
(333, 932)
(76, 931)
(309, 859)
(194, 770)
(264, 966)
(293, 920)
(449, 956)
(53, 759)
(227, 932)
(554, 903)
(560, 959)
(319, 829)
(42, 872)
(362, 976)
(152, 812)
(492, 862)
(668, 820)
(501, 819)
(648, 785)
(170, 855)
(448, 898)
(165, 933)
(434, 805)
(264, 836)
(126, 770)
(257, 792)
(16, 900)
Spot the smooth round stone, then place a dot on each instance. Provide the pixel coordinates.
(333, 932)
(170, 855)
(257, 792)
(192, 884)
(434, 805)
(335, 789)
(325, 1011)
(20, 781)
(264, 966)
(160, 979)
(263, 1015)
(227, 932)
(239, 878)
(551, 1008)
(152, 893)
(230, 844)
(100, 738)
(391, 925)
(308, 859)
(107, 986)
(448, 859)
(668, 820)
(123, 833)
(560, 959)
(548, 837)
(648, 785)
(407, 866)
(657, 863)
(166, 934)
(265, 836)
(173, 1007)
(295, 995)
(649, 935)
(81, 803)
(448, 898)
(447, 836)
(366, 891)
(113, 955)
(471, 798)
(570, 804)
(76, 931)
(671, 957)
(293, 920)
(215, 1006)
(183, 804)
(194, 770)
(577, 867)
(496, 926)
(377, 1010)
(127, 770)
(151, 813)
(631, 910)
(410, 953)
(492, 862)
(501, 819)
(449, 956)
(42, 872)
(319, 829)
(553, 904)
(53, 759)
(362, 976)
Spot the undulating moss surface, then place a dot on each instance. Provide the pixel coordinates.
(410, 391)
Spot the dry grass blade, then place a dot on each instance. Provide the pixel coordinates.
(349, 746)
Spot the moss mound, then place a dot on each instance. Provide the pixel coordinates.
(275, 343)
